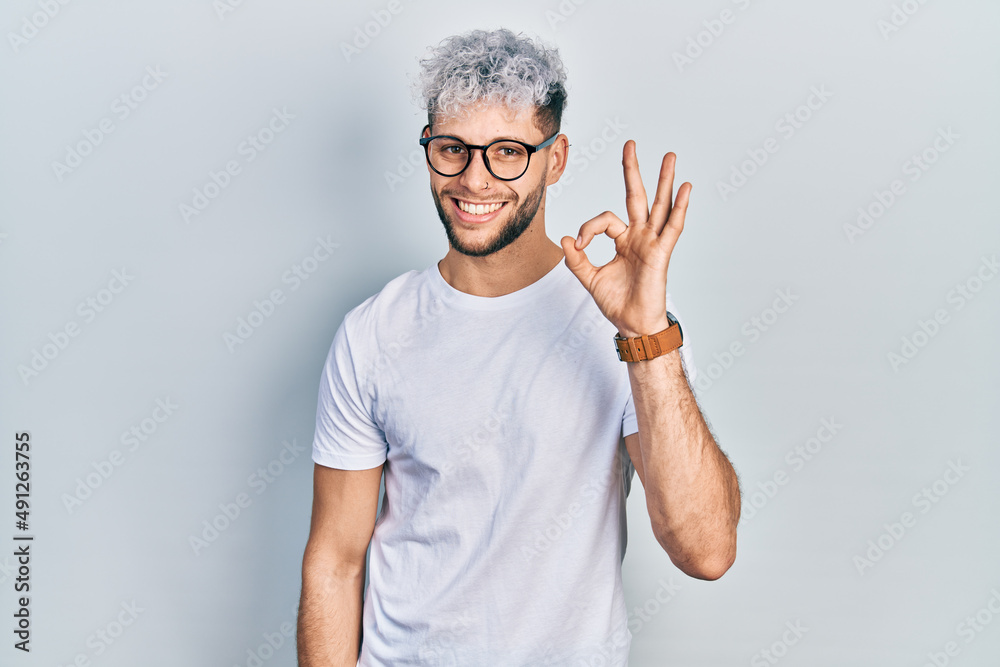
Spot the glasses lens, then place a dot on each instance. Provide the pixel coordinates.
(447, 155)
(506, 159)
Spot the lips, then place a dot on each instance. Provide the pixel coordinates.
(477, 211)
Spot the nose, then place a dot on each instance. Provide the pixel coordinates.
(476, 176)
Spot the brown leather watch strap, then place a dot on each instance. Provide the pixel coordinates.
(649, 346)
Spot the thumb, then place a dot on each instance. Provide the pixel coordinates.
(577, 262)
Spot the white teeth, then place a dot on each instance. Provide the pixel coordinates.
(478, 209)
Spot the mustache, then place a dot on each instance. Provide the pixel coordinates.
(465, 197)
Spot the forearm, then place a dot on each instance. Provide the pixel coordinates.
(691, 488)
(329, 623)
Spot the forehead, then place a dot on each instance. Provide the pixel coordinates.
(483, 123)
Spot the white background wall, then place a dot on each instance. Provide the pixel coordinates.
(161, 337)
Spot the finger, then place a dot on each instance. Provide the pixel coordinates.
(662, 202)
(675, 223)
(635, 194)
(576, 259)
(605, 223)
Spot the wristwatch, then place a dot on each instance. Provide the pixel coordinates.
(650, 346)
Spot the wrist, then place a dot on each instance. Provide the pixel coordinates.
(644, 328)
(643, 331)
(645, 346)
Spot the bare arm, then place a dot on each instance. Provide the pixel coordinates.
(692, 492)
(691, 488)
(333, 567)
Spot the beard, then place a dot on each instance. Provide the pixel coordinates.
(519, 221)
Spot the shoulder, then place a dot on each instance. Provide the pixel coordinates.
(368, 315)
(366, 326)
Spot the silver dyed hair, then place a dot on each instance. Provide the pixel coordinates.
(496, 67)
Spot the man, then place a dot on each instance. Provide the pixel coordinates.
(488, 389)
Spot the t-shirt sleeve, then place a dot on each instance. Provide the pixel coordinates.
(347, 436)
(629, 423)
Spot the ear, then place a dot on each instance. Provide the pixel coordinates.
(557, 159)
(426, 133)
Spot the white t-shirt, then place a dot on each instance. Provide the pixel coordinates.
(500, 420)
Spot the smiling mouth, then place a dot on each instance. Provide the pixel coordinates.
(478, 209)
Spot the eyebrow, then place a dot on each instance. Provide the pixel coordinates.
(524, 141)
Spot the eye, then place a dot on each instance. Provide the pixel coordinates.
(508, 151)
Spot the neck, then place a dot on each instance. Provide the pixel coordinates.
(515, 267)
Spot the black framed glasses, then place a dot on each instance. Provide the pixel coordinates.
(505, 159)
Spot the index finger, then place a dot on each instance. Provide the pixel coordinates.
(635, 194)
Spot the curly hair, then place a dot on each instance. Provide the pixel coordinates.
(496, 67)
